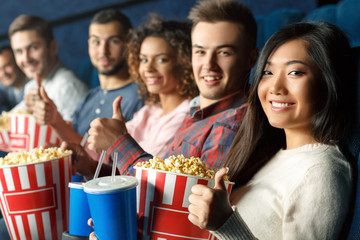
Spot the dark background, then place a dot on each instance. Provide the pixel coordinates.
(71, 18)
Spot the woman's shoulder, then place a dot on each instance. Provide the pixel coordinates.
(319, 158)
(148, 110)
(310, 168)
(315, 153)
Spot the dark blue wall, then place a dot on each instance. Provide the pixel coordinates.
(72, 37)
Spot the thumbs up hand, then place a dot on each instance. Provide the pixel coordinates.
(117, 114)
(45, 111)
(32, 95)
(38, 80)
(104, 131)
(210, 207)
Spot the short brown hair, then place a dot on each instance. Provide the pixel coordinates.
(28, 22)
(112, 15)
(213, 11)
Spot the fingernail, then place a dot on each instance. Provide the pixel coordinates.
(227, 169)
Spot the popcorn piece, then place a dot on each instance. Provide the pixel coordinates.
(180, 164)
(33, 156)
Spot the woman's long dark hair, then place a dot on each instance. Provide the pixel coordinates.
(257, 141)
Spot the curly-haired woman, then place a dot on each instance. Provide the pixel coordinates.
(160, 61)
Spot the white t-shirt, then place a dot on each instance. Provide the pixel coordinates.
(63, 88)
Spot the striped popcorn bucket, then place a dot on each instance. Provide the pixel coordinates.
(4, 141)
(26, 134)
(162, 205)
(34, 198)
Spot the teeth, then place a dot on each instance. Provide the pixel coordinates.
(151, 79)
(275, 104)
(211, 78)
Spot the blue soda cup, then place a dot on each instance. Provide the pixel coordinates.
(77, 178)
(79, 210)
(113, 207)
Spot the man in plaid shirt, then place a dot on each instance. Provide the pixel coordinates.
(224, 51)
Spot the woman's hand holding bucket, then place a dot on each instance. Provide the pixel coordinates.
(210, 207)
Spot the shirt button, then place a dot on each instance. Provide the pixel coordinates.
(105, 91)
(98, 111)
(102, 101)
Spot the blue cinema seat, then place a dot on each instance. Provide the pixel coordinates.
(348, 19)
(325, 13)
(275, 20)
(88, 74)
(345, 15)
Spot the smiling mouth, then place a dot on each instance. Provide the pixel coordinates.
(31, 68)
(152, 80)
(280, 104)
(211, 78)
(105, 61)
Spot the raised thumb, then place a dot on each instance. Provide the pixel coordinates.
(37, 79)
(117, 114)
(44, 95)
(219, 179)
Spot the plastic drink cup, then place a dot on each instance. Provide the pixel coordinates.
(113, 207)
(79, 210)
(77, 178)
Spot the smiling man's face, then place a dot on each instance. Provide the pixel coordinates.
(220, 60)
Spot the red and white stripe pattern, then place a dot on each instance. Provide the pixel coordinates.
(35, 199)
(4, 140)
(162, 205)
(26, 134)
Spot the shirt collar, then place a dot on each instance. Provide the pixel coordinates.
(232, 101)
(53, 71)
(195, 102)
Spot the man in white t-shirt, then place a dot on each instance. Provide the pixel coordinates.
(36, 53)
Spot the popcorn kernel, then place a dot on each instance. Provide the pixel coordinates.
(180, 164)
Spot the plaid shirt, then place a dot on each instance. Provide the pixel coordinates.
(206, 133)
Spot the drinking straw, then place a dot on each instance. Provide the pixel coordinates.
(83, 140)
(101, 159)
(115, 158)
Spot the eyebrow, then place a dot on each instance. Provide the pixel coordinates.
(290, 62)
(156, 55)
(217, 47)
(27, 46)
(113, 36)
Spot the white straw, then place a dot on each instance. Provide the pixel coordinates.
(115, 158)
(83, 140)
(101, 159)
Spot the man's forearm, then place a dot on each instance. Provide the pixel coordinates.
(65, 131)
